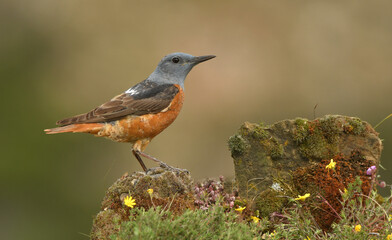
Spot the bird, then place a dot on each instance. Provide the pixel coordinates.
(143, 111)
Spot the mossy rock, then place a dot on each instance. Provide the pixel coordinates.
(268, 156)
(106, 223)
(171, 189)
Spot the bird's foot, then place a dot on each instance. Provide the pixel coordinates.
(173, 169)
(161, 164)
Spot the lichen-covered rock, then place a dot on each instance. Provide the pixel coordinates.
(106, 223)
(276, 162)
(172, 189)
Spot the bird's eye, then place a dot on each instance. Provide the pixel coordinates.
(175, 59)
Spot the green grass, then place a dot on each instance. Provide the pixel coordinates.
(157, 223)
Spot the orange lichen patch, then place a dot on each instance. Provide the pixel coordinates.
(326, 185)
(133, 128)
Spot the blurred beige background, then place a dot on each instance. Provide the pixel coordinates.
(275, 60)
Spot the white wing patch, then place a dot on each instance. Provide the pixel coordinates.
(132, 91)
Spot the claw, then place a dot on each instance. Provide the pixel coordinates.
(138, 153)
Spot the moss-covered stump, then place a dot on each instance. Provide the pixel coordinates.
(171, 189)
(276, 163)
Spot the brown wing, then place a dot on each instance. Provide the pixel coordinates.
(153, 99)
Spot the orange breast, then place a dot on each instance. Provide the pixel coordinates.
(145, 127)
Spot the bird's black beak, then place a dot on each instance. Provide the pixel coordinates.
(200, 59)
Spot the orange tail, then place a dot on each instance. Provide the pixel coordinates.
(92, 128)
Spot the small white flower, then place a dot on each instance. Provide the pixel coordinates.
(276, 186)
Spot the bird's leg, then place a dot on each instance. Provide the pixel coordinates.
(136, 154)
(161, 164)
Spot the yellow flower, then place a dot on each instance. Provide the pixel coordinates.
(150, 191)
(389, 237)
(240, 209)
(307, 238)
(331, 165)
(129, 201)
(390, 217)
(255, 219)
(302, 198)
(358, 228)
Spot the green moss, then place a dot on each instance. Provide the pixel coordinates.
(244, 129)
(318, 138)
(356, 126)
(314, 146)
(301, 131)
(329, 129)
(301, 121)
(259, 132)
(254, 130)
(105, 224)
(269, 201)
(273, 147)
(237, 145)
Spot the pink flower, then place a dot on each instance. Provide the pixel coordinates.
(371, 170)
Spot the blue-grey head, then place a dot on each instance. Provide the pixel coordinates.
(174, 68)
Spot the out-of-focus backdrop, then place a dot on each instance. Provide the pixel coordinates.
(275, 60)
